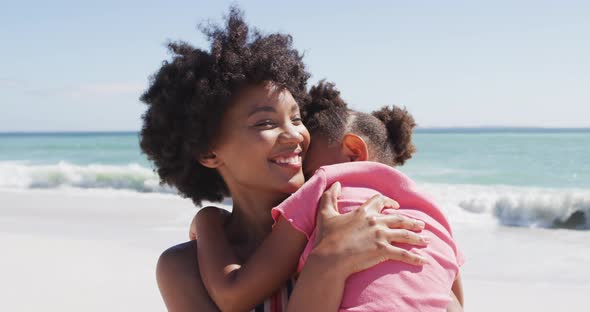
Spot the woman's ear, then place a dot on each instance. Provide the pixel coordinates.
(210, 160)
(355, 148)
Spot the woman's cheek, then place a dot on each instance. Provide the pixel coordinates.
(268, 137)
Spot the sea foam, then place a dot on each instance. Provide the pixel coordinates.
(514, 205)
(127, 177)
(491, 204)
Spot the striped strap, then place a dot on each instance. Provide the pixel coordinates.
(278, 301)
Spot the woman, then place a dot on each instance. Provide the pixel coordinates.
(226, 122)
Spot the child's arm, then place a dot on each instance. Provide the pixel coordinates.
(239, 288)
(457, 289)
(454, 305)
(320, 285)
(221, 213)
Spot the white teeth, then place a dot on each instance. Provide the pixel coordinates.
(288, 160)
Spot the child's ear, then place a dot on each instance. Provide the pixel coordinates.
(355, 148)
(210, 160)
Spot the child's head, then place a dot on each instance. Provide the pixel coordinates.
(341, 135)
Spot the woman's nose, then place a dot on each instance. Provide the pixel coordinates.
(290, 135)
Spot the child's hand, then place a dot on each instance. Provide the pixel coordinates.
(207, 216)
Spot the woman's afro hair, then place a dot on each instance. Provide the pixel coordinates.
(189, 94)
(388, 131)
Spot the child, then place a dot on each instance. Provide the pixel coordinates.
(342, 142)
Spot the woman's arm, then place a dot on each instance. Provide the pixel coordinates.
(367, 241)
(239, 288)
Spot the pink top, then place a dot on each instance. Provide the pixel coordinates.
(391, 285)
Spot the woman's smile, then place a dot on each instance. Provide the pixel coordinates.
(290, 159)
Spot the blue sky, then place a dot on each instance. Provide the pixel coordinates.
(75, 66)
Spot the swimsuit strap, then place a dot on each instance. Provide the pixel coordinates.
(278, 301)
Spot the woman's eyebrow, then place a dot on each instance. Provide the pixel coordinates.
(258, 109)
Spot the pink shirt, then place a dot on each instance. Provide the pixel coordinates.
(391, 285)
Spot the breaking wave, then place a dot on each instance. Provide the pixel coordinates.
(127, 177)
(515, 206)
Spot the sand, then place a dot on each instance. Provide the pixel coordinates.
(90, 250)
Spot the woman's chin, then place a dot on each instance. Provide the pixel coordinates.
(294, 184)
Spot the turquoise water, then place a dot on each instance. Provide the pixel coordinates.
(541, 158)
(525, 178)
(114, 148)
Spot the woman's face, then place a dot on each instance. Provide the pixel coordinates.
(263, 141)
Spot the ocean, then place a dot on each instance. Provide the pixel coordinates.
(497, 177)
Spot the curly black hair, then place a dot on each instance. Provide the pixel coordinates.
(188, 96)
(388, 131)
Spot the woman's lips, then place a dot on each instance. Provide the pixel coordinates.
(291, 160)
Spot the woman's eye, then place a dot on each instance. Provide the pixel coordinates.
(297, 120)
(265, 124)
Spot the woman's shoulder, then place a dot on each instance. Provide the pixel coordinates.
(179, 280)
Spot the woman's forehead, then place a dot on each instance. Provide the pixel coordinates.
(260, 98)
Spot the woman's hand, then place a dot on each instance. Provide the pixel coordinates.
(364, 236)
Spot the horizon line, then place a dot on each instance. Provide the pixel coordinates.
(419, 129)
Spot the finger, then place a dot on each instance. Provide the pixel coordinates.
(390, 203)
(397, 221)
(337, 188)
(401, 236)
(375, 204)
(329, 201)
(399, 254)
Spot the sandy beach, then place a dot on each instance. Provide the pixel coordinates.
(86, 250)
(96, 250)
